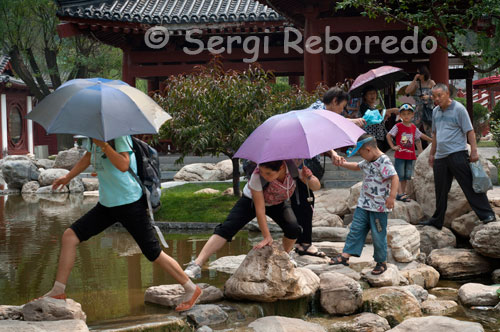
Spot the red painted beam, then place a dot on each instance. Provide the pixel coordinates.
(356, 24)
(65, 30)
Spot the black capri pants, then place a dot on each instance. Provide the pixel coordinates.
(133, 217)
(244, 211)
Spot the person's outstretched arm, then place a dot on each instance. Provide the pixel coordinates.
(425, 137)
(351, 165)
(80, 166)
(260, 212)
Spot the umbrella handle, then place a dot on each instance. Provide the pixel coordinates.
(309, 198)
(381, 99)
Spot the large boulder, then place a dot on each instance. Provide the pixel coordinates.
(364, 322)
(423, 182)
(437, 323)
(410, 211)
(44, 163)
(172, 295)
(323, 218)
(323, 268)
(395, 304)
(458, 263)
(30, 187)
(420, 274)
(333, 234)
(331, 201)
(473, 294)
(354, 192)
(227, 264)
(431, 238)
(11, 312)
(464, 225)
(48, 176)
(205, 172)
(76, 186)
(485, 239)
(206, 314)
(283, 324)
(47, 308)
(90, 184)
(268, 275)
(67, 325)
(403, 239)
(17, 172)
(340, 295)
(388, 278)
(67, 159)
(439, 307)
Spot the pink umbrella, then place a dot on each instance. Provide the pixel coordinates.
(380, 78)
(297, 135)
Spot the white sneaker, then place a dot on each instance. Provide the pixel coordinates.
(193, 270)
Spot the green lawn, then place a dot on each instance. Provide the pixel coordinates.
(181, 204)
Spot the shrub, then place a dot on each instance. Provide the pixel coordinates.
(480, 116)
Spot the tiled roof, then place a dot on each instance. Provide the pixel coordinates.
(169, 11)
(4, 60)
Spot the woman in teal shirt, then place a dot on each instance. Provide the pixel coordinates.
(120, 200)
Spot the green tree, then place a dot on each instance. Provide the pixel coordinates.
(213, 111)
(42, 59)
(466, 25)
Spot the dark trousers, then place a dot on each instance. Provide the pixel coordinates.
(456, 165)
(304, 212)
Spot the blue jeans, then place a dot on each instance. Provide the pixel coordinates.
(404, 168)
(362, 222)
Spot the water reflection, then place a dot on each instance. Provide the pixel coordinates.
(110, 273)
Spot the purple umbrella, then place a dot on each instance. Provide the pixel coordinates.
(298, 134)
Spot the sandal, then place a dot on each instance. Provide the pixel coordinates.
(379, 268)
(403, 198)
(339, 259)
(305, 251)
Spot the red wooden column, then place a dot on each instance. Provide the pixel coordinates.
(126, 68)
(312, 62)
(439, 64)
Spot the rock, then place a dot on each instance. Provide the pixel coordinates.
(458, 263)
(388, 278)
(485, 239)
(431, 322)
(207, 191)
(305, 260)
(354, 193)
(340, 295)
(323, 268)
(431, 238)
(268, 275)
(204, 172)
(44, 163)
(364, 322)
(226, 168)
(228, 192)
(330, 248)
(48, 176)
(172, 295)
(334, 234)
(473, 294)
(445, 293)
(17, 172)
(206, 314)
(404, 241)
(464, 225)
(11, 312)
(439, 307)
(68, 325)
(90, 184)
(30, 187)
(411, 212)
(67, 159)
(419, 292)
(495, 276)
(323, 218)
(48, 190)
(366, 259)
(76, 186)
(227, 264)
(283, 324)
(51, 309)
(204, 328)
(420, 274)
(332, 201)
(393, 303)
(253, 226)
(348, 219)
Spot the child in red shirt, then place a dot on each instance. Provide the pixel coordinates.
(406, 135)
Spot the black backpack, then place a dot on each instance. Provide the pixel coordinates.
(148, 171)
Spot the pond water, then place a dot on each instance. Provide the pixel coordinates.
(111, 275)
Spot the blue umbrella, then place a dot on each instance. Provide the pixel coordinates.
(99, 108)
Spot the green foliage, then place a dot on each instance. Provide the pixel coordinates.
(177, 203)
(480, 114)
(465, 25)
(213, 111)
(495, 113)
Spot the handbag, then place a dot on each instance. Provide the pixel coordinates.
(481, 182)
(314, 164)
(426, 109)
